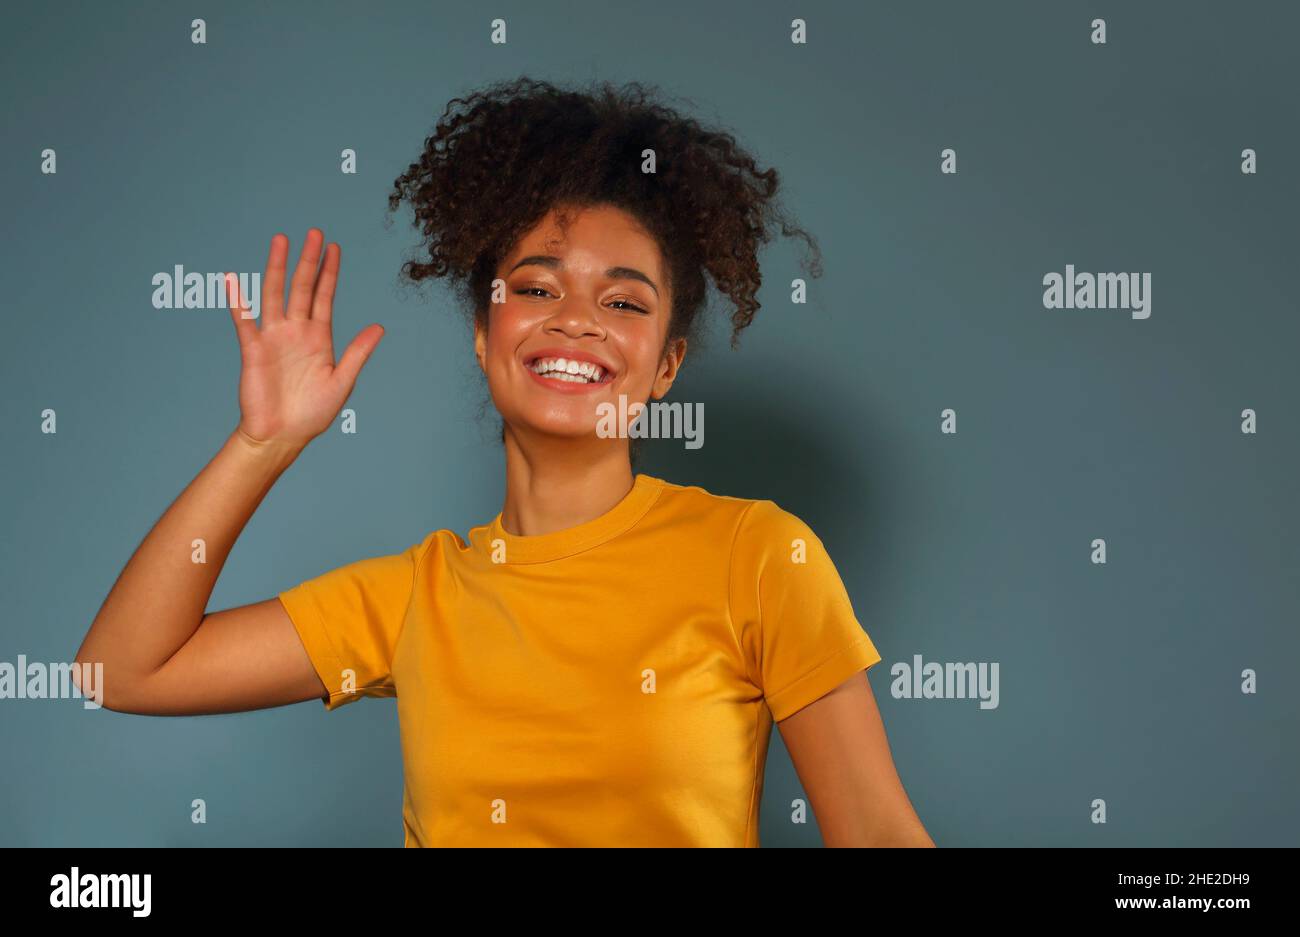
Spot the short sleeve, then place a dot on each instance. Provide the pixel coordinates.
(349, 620)
(793, 619)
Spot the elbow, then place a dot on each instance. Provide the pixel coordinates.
(88, 676)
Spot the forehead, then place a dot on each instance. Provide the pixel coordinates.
(609, 235)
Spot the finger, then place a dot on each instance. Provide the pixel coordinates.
(356, 354)
(273, 283)
(240, 313)
(322, 302)
(304, 276)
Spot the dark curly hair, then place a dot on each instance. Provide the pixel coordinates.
(501, 158)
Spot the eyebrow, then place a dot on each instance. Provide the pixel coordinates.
(614, 273)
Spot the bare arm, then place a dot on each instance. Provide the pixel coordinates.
(161, 653)
(840, 751)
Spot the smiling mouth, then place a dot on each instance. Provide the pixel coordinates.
(569, 370)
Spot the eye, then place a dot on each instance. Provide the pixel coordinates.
(532, 290)
(629, 305)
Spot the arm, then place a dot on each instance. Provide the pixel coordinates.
(841, 754)
(161, 654)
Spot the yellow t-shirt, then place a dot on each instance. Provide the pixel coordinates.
(612, 684)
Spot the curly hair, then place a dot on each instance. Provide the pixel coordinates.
(501, 158)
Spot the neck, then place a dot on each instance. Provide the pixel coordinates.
(553, 484)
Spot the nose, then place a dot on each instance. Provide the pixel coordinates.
(575, 319)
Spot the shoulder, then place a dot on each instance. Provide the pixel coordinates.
(432, 547)
(750, 521)
(442, 544)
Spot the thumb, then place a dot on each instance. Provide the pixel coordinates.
(356, 354)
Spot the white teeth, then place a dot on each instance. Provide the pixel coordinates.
(563, 369)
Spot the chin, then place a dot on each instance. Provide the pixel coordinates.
(574, 429)
(575, 426)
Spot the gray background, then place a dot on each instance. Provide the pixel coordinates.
(1119, 682)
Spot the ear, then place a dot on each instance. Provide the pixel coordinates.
(668, 368)
(480, 344)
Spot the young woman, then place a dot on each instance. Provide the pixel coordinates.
(602, 662)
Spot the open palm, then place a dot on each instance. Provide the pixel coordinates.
(290, 388)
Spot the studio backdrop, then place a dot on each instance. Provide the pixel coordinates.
(1040, 406)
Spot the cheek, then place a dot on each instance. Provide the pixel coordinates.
(640, 345)
(645, 362)
(509, 329)
(504, 333)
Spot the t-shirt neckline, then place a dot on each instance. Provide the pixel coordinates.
(542, 548)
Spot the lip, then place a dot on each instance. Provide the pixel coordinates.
(571, 354)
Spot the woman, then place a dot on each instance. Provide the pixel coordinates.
(602, 662)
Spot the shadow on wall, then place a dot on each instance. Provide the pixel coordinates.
(760, 446)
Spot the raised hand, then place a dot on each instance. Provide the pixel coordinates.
(290, 388)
